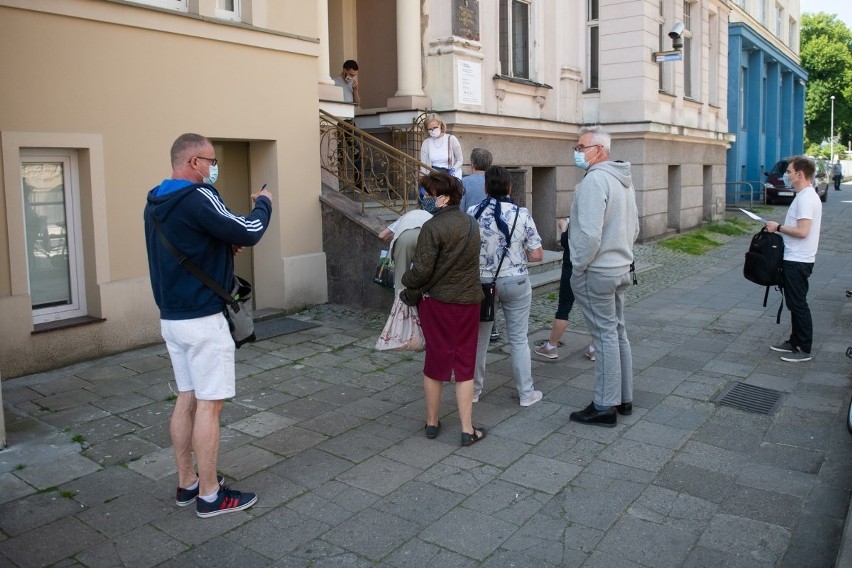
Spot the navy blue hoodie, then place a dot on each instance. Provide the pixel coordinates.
(196, 221)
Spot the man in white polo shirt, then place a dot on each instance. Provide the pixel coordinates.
(800, 231)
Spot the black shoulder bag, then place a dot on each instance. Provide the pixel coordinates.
(487, 308)
(237, 310)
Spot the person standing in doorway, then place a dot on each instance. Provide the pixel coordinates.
(190, 213)
(800, 232)
(351, 163)
(348, 81)
(604, 225)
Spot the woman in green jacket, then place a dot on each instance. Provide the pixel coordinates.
(448, 246)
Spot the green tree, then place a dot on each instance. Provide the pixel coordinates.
(826, 53)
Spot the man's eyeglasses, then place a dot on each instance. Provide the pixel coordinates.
(213, 161)
(579, 148)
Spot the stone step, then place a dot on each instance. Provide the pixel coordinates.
(547, 280)
(552, 261)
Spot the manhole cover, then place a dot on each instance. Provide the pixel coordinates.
(750, 398)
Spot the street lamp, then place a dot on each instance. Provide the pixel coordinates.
(831, 137)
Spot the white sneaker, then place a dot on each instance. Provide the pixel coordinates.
(476, 396)
(532, 399)
(546, 351)
(589, 353)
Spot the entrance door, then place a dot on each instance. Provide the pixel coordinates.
(234, 185)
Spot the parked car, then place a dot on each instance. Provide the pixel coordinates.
(777, 192)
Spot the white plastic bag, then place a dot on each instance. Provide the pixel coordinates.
(402, 331)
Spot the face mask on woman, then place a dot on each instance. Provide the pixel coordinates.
(435, 132)
(429, 203)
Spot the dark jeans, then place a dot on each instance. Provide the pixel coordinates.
(796, 295)
(566, 294)
(837, 180)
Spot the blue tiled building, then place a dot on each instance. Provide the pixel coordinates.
(766, 108)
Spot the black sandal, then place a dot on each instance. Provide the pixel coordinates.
(470, 439)
(432, 431)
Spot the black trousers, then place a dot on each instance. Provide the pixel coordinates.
(796, 276)
(837, 180)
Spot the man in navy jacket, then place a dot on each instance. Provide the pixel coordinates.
(194, 219)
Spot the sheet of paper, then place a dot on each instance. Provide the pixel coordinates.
(753, 216)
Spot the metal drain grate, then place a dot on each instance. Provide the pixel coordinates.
(750, 398)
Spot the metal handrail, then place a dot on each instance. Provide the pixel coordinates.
(750, 184)
(372, 170)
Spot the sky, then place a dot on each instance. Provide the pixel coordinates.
(843, 9)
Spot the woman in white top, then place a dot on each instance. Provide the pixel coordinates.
(440, 150)
(505, 228)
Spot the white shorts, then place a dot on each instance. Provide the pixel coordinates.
(202, 353)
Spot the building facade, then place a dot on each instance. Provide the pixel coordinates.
(94, 92)
(519, 77)
(766, 91)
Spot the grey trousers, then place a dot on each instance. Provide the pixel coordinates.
(515, 295)
(601, 298)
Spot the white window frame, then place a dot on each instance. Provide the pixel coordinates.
(792, 28)
(234, 15)
(688, 51)
(74, 233)
(713, 44)
(176, 5)
(779, 20)
(665, 75)
(593, 59)
(509, 38)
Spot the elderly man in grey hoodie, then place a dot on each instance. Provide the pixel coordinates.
(604, 225)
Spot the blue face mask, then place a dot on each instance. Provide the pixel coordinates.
(580, 160)
(429, 204)
(212, 176)
(786, 179)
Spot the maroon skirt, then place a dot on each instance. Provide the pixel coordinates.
(451, 332)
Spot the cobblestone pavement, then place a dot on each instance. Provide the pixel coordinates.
(329, 433)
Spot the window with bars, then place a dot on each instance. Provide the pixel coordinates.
(515, 38)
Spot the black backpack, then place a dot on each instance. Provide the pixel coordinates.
(763, 264)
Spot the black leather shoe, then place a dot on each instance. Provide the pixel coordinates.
(590, 415)
(625, 408)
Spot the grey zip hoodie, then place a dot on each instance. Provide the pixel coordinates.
(604, 220)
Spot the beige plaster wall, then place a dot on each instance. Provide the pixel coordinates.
(134, 79)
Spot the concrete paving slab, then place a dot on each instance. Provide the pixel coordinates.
(329, 433)
(469, 533)
(763, 542)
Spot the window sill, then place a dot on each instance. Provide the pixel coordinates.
(521, 81)
(65, 324)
